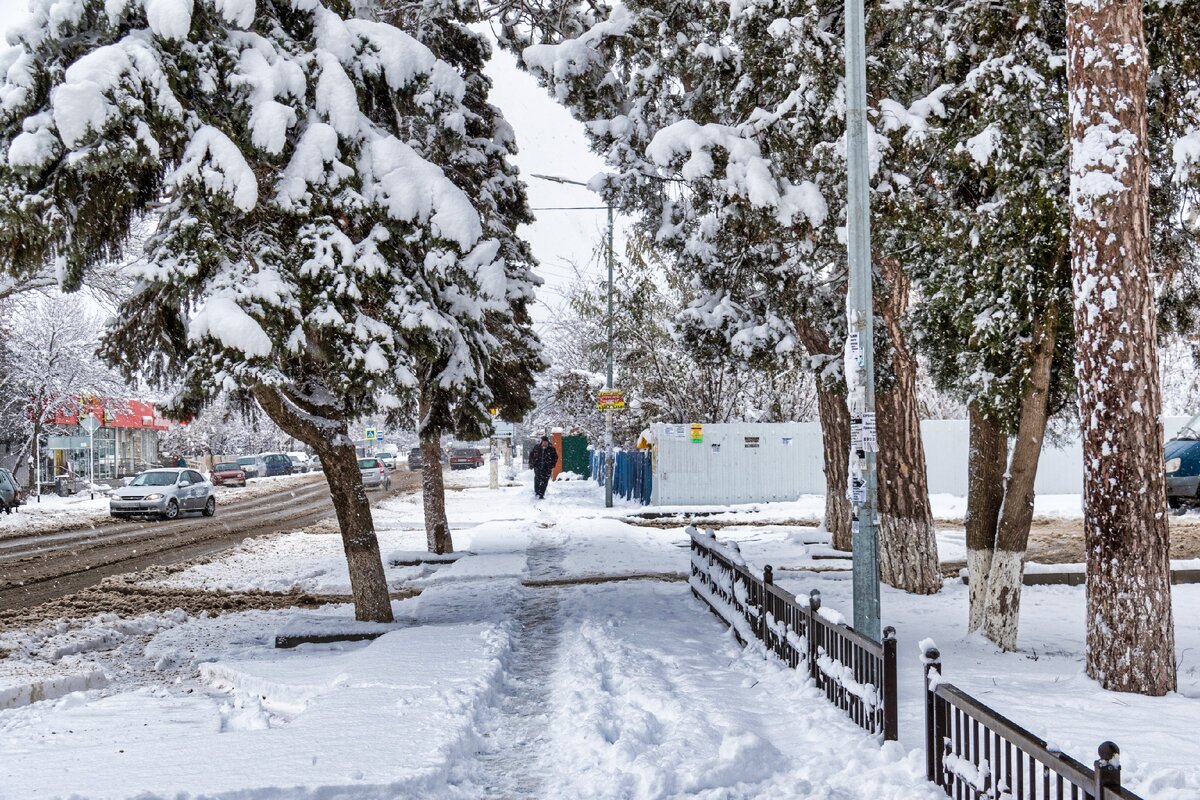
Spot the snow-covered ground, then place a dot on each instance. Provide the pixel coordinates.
(528, 667)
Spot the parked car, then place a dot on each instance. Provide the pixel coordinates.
(315, 464)
(300, 461)
(227, 473)
(10, 492)
(252, 466)
(388, 459)
(465, 458)
(165, 493)
(276, 464)
(374, 473)
(414, 459)
(1183, 465)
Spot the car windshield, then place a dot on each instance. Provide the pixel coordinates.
(247, 461)
(154, 479)
(228, 466)
(1191, 430)
(367, 463)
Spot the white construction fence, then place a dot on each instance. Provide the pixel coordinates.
(719, 464)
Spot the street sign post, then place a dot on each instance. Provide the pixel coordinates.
(91, 425)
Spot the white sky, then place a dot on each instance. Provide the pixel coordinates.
(551, 143)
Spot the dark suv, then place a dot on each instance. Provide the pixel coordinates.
(1183, 465)
(414, 459)
(10, 493)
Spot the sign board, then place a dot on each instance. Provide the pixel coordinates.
(379, 436)
(676, 431)
(503, 430)
(89, 424)
(697, 432)
(610, 400)
(371, 433)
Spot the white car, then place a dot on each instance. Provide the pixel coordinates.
(164, 493)
(388, 459)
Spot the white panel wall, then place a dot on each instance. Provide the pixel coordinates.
(688, 473)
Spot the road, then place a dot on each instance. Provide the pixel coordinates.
(49, 565)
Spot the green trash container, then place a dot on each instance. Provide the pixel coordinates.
(575, 456)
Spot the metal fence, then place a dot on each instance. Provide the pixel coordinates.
(856, 674)
(973, 752)
(633, 474)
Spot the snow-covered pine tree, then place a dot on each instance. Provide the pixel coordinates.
(480, 163)
(695, 94)
(1131, 636)
(307, 248)
(986, 222)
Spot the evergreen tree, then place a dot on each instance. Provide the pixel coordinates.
(752, 206)
(308, 246)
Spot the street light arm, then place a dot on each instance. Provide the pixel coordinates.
(557, 179)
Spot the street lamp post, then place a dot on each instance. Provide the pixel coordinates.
(860, 356)
(608, 381)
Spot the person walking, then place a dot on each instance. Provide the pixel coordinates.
(542, 459)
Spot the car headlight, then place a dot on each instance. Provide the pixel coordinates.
(1174, 464)
(153, 497)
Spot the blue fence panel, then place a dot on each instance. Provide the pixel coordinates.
(633, 474)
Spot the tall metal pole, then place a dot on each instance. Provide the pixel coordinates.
(608, 414)
(860, 357)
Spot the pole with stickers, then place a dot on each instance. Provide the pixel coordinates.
(860, 356)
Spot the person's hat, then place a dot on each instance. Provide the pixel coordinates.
(545, 438)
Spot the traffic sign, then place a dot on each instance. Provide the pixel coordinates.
(371, 434)
(610, 400)
(90, 424)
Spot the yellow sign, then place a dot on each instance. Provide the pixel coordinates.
(697, 432)
(610, 400)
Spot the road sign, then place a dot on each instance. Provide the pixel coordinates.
(610, 400)
(89, 424)
(502, 430)
(371, 435)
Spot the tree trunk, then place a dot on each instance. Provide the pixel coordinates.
(986, 464)
(835, 444)
(1002, 605)
(433, 492)
(835, 438)
(1130, 630)
(330, 438)
(908, 556)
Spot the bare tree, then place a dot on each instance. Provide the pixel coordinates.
(1130, 632)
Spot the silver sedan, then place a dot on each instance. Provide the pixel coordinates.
(164, 493)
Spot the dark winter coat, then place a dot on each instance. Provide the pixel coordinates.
(543, 458)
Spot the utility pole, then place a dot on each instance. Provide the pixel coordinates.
(608, 381)
(608, 414)
(860, 313)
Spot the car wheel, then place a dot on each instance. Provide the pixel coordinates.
(210, 507)
(172, 510)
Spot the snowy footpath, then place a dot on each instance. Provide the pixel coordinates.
(561, 655)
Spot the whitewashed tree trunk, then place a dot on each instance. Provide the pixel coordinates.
(986, 464)
(1130, 630)
(1002, 603)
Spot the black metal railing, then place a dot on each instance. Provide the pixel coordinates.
(973, 752)
(856, 674)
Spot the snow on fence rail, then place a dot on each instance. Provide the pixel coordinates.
(856, 674)
(973, 752)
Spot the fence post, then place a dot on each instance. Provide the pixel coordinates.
(814, 605)
(891, 721)
(767, 635)
(933, 737)
(1108, 769)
